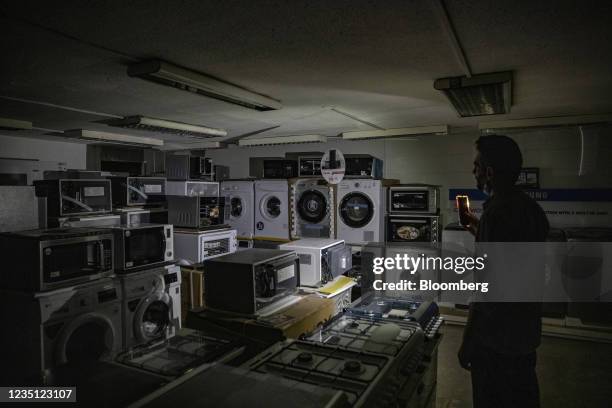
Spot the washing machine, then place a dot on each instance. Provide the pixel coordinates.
(587, 274)
(240, 206)
(69, 326)
(272, 209)
(313, 206)
(361, 211)
(151, 305)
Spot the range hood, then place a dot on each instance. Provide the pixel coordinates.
(478, 95)
(166, 126)
(165, 73)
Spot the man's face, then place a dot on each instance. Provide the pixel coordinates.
(480, 173)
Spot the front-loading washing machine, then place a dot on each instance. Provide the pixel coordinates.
(272, 209)
(151, 305)
(313, 206)
(69, 326)
(240, 206)
(361, 214)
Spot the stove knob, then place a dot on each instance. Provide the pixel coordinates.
(304, 358)
(352, 366)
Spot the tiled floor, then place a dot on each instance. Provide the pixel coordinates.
(571, 373)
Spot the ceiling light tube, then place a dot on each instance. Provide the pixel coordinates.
(166, 126)
(112, 137)
(279, 140)
(381, 134)
(164, 73)
(546, 121)
(14, 124)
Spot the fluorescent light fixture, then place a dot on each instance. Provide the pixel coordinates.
(279, 140)
(205, 145)
(482, 94)
(112, 137)
(165, 73)
(381, 134)
(13, 124)
(166, 126)
(545, 122)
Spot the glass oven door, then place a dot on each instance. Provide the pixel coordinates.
(75, 258)
(407, 201)
(409, 229)
(144, 246)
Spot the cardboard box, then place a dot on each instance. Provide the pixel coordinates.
(299, 319)
(192, 288)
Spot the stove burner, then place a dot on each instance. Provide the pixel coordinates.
(304, 358)
(353, 367)
(354, 325)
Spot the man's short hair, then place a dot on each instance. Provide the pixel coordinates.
(503, 155)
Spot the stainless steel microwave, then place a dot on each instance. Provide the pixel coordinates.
(144, 245)
(41, 260)
(413, 199)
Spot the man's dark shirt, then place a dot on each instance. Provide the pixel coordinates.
(509, 328)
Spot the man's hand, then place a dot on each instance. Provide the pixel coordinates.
(465, 354)
(473, 221)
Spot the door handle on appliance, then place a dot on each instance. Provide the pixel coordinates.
(102, 260)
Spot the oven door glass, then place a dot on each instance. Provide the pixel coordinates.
(409, 230)
(85, 196)
(145, 191)
(69, 261)
(409, 201)
(144, 246)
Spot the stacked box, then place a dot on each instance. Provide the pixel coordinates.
(192, 293)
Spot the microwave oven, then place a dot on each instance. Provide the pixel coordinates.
(42, 260)
(192, 188)
(141, 246)
(136, 216)
(362, 166)
(309, 166)
(280, 169)
(197, 246)
(413, 199)
(416, 228)
(131, 191)
(196, 212)
(74, 197)
(259, 277)
(184, 167)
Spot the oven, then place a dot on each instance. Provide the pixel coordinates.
(42, 260)
(413, 199)
(140, 246)
(416, 228)
(132, 191)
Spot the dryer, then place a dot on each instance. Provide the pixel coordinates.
(240, 206)
(73, 325)
(361, 214)
(151, 305)
(272, 209)
(313, 209)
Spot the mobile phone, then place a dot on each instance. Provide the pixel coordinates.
(463, 208)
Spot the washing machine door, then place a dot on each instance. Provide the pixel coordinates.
(312, 206)
(236, 207)
(89, 337)
(356, 210)
(271, 206)
(152, 318)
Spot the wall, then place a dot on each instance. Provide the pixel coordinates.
(447, 160)
(48, 153)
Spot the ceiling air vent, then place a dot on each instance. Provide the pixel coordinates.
(164, 73)
(166, 126)
(482, 94)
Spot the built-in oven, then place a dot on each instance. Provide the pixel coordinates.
(41, 260)
(415, 228)
(413, 199)
(309, 167)
(138, 191)
(140, 246)
(280, 169)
